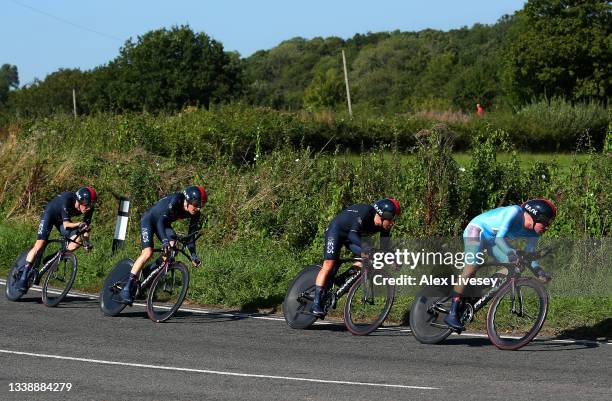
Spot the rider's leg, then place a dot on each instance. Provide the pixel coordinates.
(76, 242)
(44, 229)
(472, 245)
(145, 255)
(70, 233)
(333, 244)
(340, 279)
(23, 282)
(146, 244)
(31, 256)
(127, 292)
(42, 235)
(320, 284)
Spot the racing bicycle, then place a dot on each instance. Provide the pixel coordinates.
(517, 313)
(166, 281)
(367, 304)
(60, 267)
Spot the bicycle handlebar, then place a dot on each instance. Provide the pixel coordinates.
(183, 240)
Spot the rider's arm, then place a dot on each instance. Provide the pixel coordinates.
(87, 220)
(161, 225)
(510, 214)
(354, 241)
(88, 215)
(385, 239)
(194, 226)
(531, 246)
(66, 216)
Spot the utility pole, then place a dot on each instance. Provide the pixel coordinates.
(348, 92)
(74, 102)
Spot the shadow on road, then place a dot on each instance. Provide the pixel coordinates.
(211, 317)
(339, 327)
(32, 299)
(78, 302)
(601, 330)
(550, 346)
(469, 341)
(534, 346)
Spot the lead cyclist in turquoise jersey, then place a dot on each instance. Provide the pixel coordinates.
(491, 230)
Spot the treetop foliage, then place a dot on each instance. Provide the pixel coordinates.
(550, 48)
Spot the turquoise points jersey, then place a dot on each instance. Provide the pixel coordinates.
(503, 223)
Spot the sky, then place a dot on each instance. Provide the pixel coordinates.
(42, 36)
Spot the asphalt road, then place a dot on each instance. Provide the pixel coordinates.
(233, 356)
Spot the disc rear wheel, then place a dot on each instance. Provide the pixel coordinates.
(299, 298)
(427, 318)
(13, 293)
(114, 283)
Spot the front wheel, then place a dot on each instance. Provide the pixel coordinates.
(427, 317)
(299, 298)
(110, 302)
(167, 292)
(367, 305)
(59, 279)
(517, 314)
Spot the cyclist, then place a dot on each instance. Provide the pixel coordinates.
(490, 231)
(346, 229)
(157, 220)
(58, 213)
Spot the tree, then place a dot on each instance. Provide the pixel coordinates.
(9, 79)
(53, 95)
(563, 48)
(170, 69)
(325, 91)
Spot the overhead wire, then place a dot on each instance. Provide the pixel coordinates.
(65, 21)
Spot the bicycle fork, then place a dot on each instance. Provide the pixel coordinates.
(517, 295)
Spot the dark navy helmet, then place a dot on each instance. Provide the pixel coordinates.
(387, 208)
(195, 195)
(86, 196)
(542, 210)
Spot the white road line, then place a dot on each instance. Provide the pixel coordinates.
(216, 372)
(280, 319)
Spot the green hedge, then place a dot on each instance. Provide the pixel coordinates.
(242, 133)
(266, 218)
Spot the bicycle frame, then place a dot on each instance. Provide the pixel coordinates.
(343, 289)
(163, 268)
(514, 272)
(56, 256)
(334, 295)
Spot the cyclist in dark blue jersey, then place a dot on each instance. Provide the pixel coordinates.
(491, 230)
(347, 229)
(58, 213)
(157, 221)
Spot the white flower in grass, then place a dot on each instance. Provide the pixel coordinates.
(462, 169)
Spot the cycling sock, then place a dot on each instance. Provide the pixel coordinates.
(318, 294)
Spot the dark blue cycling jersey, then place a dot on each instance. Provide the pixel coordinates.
(159, 217)
(60, 209)
(348, 227)
(491, 229)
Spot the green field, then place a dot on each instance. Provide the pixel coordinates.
(562, 160)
